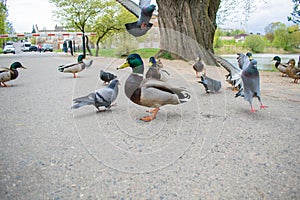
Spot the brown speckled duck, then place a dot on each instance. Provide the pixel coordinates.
(293, 71)
(7, 74)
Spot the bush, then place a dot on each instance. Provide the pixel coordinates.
(255, 43)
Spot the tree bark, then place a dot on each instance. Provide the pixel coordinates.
(187, 28)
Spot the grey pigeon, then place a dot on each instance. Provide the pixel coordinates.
(143, 12)
(103, 97)
(106, 77)
(250, 81)
(199, 66)
(210, 85)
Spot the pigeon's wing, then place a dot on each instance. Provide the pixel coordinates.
(105, 96)
(234, 72)
(243, 61)
(131, 7)
(144, 3)
(227, 65)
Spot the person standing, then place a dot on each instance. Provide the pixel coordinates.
(71, 47)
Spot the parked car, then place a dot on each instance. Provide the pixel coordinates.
(25, 46)
(47, 47)
(9, 49)
(33, 48)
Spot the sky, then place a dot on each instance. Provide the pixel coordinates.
(25, 13)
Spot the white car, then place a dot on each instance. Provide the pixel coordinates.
(9, 49)
(25, 46)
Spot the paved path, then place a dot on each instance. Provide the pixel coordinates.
(208, 148)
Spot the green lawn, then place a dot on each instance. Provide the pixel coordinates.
(144, 53)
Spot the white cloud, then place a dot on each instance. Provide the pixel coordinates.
(266, 12)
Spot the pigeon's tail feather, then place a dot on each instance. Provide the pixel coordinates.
(79, 104)
(83, 101)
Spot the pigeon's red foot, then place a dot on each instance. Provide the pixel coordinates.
(263, 106)
(252, 110)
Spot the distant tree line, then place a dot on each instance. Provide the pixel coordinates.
(277, 35)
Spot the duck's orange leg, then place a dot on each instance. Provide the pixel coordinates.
(150, 117)
(74, 75)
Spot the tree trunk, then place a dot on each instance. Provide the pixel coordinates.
(187, 28)
(87, 45)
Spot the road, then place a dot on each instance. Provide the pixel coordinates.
(208, 148)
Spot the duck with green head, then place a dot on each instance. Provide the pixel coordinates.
(77, 67)
(280, 66)
(150, 92)
(7, 74)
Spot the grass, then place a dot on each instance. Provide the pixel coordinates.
(144, 53)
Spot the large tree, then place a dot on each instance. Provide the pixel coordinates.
(187, 27)
(78, 14)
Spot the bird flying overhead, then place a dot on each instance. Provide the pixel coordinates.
(143, 12)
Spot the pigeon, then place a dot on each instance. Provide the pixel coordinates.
(155, 72)
(76, 67)
(103, 97)
(250, 81)
(210, 85)
(106, 77)
(143, 12)
(199, 66)
(7, 74)
(150, 92)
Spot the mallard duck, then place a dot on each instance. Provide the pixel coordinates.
(199, 66)
(7, 74)
(143, 11)
(280, 66)
(106, 77)
(150, 92)
(250, 81)
(103, 97)
(293, 71)
(76, 67)
(156, 72)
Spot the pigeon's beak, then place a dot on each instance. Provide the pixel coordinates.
(126, 64)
